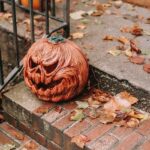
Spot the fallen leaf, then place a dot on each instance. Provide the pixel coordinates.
(121, 101)
(8, 146)
(134, 47)
(81, 26)
(146, 68)
(123, 40)
(137, 60)
(42, 109)
(128, 52)
(38, 32)
(31, 145)
(109, 37)
(136, 30)
(97, 13)
(100, 7)
(93, 103)
(93, 113)
(80, 140)
(125, 96)
(39, 18)
(19, 136)
(106, 116)
(7, 16)
(77, 35)
(147, 21)
(77, 115)
(118, 3)
(58, 109)
(125, 29)
(82, 105)
(133, 122)
(120, 115)
(146, 33)
(111, 105)
(77, 15)
(101, 96)
(114, 52)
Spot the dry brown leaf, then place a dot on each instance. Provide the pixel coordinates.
(39, 18)
(100, 7)
(58, 109)
(126, 96)
(111, 105)
(114, 52)
(101, 96)
(137, 60)
(31, 145)
(133, 122)
(93, 113)
(42, 109)
(97, 13)
(121, 101)
(134, 47)
(109, 37)
(80, 140)
(77, 35)
(7, 16)
(125, 29)
(123, 40)
(120, 115)
(128, 52)
(93, 103)
(106, 116)
(136, 30)
(146, 68)
(81, 26)
(39, 32)
(19, 136)
(77, 115)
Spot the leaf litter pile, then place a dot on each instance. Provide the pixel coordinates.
(116, 109)
(108, 109)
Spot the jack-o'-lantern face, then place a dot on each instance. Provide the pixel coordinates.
(55, 72)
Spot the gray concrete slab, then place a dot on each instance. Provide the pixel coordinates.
(98, 27)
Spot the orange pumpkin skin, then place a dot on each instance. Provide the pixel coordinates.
(36, 4)
(55, 72)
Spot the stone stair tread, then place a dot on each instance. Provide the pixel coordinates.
(10, 136)
(54, 130)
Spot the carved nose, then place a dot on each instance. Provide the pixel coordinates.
(38, 70)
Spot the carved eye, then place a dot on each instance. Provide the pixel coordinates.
(51, 68)
(32, 64)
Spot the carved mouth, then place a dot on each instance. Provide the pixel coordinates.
(47, 86)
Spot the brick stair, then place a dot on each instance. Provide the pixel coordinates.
(10, 136)
(50, 126)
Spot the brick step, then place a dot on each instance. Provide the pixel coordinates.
(50, 126)
(10, 136)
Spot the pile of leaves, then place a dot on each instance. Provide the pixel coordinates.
(129, 46)
(106, 108)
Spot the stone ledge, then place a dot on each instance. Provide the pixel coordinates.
(54, 129)
(11, 135)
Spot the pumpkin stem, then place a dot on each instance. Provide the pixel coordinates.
(56, 38)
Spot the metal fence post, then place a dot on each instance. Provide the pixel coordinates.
(67, 17)
(1, 6)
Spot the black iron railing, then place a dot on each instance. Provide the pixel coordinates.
(49, 12)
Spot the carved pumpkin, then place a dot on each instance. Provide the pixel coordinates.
(55, 71)
(36, 4)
